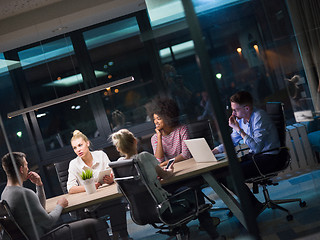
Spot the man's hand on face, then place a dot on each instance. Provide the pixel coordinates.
(35, 178)
(233, 123)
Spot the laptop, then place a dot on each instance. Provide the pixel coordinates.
(201, 151)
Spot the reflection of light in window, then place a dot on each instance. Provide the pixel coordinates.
(219, 75)
(72, 80)
(167, 11)
(176, 49)
(4, 64)
(41, 115)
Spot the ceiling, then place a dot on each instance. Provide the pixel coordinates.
(11, 8)
(26, 21)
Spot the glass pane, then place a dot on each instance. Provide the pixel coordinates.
(51, 70)
(117, 52)
(253, 49)
(15, 128)
(58, 122)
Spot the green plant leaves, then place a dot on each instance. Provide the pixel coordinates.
(87, 174)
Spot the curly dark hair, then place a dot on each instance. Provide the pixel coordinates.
(165, 108)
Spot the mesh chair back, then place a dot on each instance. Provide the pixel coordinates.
(62, 173)
(143, 207)
(202, 129)
(9, 224)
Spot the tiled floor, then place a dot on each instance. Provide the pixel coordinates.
(273, 224)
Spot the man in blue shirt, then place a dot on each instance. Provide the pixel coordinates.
(258, 131)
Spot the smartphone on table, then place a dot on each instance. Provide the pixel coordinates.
(170, 162)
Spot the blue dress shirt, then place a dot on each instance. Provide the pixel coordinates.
(261, 133)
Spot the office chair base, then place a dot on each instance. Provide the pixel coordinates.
(274, 204)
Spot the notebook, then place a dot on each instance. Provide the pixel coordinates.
(201, 151)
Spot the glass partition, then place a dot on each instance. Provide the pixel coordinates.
(116, 52)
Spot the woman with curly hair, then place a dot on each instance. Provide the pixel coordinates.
(167, 142)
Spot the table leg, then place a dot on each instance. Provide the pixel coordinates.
(226, 197)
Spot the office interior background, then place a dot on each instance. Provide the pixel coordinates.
(54, 48)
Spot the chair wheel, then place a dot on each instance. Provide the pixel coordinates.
(230, 214)
(302, 204)
(289, 217)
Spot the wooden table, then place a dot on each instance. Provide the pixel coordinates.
(183, 170)
(82, 200)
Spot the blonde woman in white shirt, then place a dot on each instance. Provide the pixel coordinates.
(86, 159)
(97, 161)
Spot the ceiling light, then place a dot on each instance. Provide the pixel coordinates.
(70, 97)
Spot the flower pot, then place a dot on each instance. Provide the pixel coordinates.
(89, 185)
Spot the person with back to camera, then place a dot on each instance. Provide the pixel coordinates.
(258, 131)
(167, 142)
(126, 145)
(97, 161)
(14, 193)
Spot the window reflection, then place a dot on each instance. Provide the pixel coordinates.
(116, 51)
(59, 121)
(51, 70)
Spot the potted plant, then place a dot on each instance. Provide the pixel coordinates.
(88, 181)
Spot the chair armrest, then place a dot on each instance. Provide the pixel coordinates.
(50, 234)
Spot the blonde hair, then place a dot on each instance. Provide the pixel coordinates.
(124, 140)
(77, 134)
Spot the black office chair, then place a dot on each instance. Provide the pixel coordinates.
(62, 173)
(276, 112)
(145, 206)
(203, 129)
(12, 229)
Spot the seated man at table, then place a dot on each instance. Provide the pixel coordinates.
(15, 195)
(258, 131)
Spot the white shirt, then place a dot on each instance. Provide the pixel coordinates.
(77, 166)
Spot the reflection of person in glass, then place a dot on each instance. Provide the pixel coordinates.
(206, 106)
(96, 161)
(168, 141)
(15, 195)
(118, 120)
(176, 87)
(295, 92)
